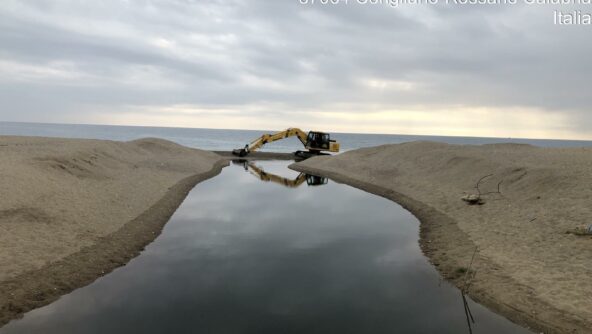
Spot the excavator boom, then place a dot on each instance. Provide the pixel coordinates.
(269, 138)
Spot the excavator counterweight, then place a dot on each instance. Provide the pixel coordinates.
(314, 141)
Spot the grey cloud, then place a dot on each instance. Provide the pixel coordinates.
(300, 56)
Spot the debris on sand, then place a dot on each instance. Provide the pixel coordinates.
(582, 230)
(473, 199)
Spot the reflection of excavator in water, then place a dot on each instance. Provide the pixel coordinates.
(315, 142)
(311, 180)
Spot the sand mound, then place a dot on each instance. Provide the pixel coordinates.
(61, 196)
(528, 267)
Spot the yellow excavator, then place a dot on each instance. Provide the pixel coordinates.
(314, 141)
(311, 180)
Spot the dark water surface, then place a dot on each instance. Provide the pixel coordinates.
(245, 256)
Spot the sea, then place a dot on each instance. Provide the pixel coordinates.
(225, 140)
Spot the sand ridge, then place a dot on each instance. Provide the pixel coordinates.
(527, 268)
(73, 210)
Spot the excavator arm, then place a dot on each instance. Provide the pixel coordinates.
(258, 172)
(269, 177)
(269, 138)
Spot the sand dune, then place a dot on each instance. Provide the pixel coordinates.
(72, 210)
(527, 267)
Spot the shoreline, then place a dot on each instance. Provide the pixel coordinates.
(93, 186)
(448, 247)
(432, 225)
(43, 286)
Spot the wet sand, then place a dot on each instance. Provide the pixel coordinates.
(73, 210)
(527, 267)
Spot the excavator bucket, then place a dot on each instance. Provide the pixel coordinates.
(241, 152)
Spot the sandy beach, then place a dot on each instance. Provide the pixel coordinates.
(527, 267)
(73, 210)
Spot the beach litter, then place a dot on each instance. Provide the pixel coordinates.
(473, 199)
(581, 230)
(476, 199)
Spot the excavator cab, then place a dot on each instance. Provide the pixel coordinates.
(318, 141)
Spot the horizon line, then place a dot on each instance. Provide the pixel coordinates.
(336, 132)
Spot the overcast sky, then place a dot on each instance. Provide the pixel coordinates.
(504, 71)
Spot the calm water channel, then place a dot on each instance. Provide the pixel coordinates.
(280, 256)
